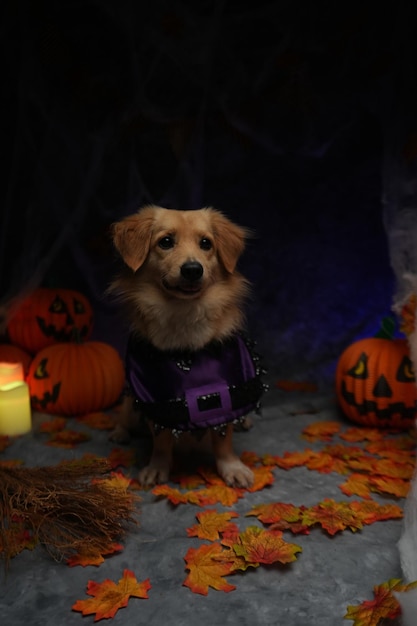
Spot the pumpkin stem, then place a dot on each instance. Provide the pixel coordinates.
(387, 328)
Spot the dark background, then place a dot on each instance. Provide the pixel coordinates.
(295, 119)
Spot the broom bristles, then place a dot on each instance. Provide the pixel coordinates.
(63, 508)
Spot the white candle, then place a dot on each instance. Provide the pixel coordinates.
(10, 373)
(15, 414)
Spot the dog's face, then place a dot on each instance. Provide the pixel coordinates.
(183, 252)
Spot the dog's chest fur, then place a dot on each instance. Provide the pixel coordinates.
(186, 324)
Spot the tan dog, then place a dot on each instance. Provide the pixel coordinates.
(183, 292)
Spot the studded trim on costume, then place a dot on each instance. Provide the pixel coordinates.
(195, 390)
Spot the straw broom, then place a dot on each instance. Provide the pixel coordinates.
(69, 508)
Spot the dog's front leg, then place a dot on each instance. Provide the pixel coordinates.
(229, 466)
(159, 466)
(125, 423)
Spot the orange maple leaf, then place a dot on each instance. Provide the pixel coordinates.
(230, 535)
(211, 523)
(325, 463)
(294, 459)
(189, 481)
(93, 557)
(250, 458)
(257, 545)
(321, 431)
(399, 456)
(54, 425)
(216, 494)
(360, 433)
(332, 516)
(268, 459)
(388, 467)
(282, 516)
(383, 606)
(357, 485)
(392, 486)
(275, 512)
(370, 511)
(98, 420)
(364, 463)
(116, 482)
(237, 563)
(210, 476)
(67, 439)
(205, 570)
(341, 451)
(263, 476)
(135, 485)
(404, 443)
(109, 597)
(120, 457)
(174, 495)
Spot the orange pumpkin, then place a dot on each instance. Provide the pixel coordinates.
(14, 354)
(50, 316)
(75, 378)
(376, 385)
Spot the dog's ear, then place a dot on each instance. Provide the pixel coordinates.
(132, 238)
(230, 239)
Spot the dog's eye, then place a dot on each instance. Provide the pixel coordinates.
(166, 242)
(205, 244)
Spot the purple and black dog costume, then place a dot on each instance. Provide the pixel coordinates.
(188, 391)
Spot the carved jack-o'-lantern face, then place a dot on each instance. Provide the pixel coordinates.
(49, 316)
(49, 390)
(376, 385)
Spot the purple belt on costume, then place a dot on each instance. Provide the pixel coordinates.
(187, 390)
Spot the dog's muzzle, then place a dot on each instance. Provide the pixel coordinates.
(191, 271)
(190, 283)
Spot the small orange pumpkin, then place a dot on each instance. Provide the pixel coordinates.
(375, 383)
(14, 354)
(50, 316)
(75, 378)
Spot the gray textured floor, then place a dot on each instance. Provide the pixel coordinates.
(327, 576)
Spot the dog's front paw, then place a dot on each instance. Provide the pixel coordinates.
(235, 473)
(154, 474)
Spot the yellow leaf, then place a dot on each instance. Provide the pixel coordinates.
(205, 570)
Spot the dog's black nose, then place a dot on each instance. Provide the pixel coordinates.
(192, 270)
